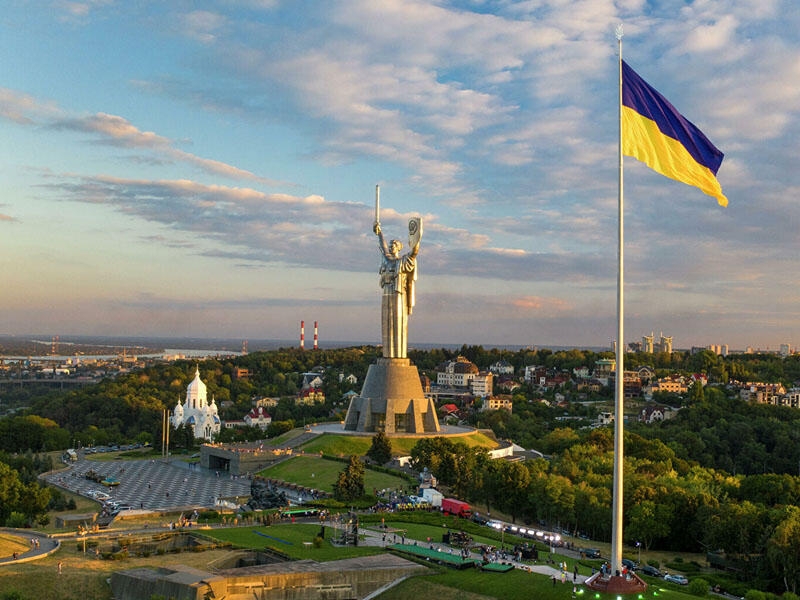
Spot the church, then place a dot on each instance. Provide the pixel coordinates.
(196, 411)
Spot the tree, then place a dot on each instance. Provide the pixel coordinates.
(381, 449)
(28, 501)
(350, 483)
(277, 428)
(648, 522)
(783, 549)
(513, 479)
(696, 392)
(428, 453)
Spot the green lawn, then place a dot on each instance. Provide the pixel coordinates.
(291, 539)
(345, 445)
(472, 584)
(450, 584)
(319, 473)
(338, 445)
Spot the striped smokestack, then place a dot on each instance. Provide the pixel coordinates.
(302, 335)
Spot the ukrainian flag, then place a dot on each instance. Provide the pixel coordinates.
(659, 136)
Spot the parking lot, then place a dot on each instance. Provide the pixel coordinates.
(151, 484)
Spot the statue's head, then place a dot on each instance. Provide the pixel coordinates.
(395, 246)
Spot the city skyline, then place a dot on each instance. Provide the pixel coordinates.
(208, 169)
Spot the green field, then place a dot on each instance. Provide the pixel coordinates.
(319, 473)
(471, 584)
(294, 540)
(338, 445)
(346, 445)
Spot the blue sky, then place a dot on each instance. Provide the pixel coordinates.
(208, 169)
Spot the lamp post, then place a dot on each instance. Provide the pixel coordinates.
(639, 546)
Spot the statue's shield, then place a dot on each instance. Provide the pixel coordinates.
(414, 231)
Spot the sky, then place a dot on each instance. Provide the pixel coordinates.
(208, 169)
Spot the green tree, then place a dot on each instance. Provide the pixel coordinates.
(381, 449)
(736, 528)
(783, 549)
(276, 428)
(29, 501)
(427, 453)
(512, 479)
(648, 522)
(350, 482)
(696, 392)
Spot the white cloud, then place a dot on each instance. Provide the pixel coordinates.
(201, 25)
(120, 132)
(713, 36)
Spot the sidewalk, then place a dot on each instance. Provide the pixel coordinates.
(40, 545)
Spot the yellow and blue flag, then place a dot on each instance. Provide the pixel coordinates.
(654, 132)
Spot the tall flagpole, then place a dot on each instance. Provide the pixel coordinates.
(617, 500)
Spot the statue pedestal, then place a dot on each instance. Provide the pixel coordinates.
(392, 401)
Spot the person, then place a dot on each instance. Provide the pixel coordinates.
(60, 564)
(398, 275)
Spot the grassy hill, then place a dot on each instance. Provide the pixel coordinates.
(346, 445)
(313, 471)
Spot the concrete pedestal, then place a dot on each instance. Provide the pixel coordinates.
(616, 584)
(392, 401)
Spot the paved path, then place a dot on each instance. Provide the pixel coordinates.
(153, 484)
(39, 545)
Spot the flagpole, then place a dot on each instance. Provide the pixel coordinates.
(617, 499)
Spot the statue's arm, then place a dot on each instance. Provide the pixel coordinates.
(414, 236)
(381, 241)
(414, 250)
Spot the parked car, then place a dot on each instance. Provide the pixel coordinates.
(651, 571)
(591, 552)
(680, 579)
(627, 562)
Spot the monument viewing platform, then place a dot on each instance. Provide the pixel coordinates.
(392, 401)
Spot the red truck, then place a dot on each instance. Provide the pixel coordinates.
(456, 507)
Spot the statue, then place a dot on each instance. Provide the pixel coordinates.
(398, 275)
(392, 399)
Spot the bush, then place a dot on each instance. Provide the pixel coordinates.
(755, 595)
(698, 587)
(16, 520)
(317, 542)
(209, 516)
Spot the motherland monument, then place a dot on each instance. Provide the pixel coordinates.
(392, 399)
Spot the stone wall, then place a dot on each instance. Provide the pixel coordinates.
(346, 579)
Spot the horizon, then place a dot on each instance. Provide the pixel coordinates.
(234, 344)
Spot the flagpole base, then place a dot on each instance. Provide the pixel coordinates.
(616, 584)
